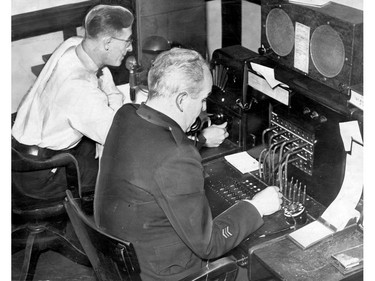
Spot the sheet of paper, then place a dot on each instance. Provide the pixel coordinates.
(261, 85)
(311, 233)
(342, 209)
(242, 161)
(356, 99)
(350, 130)
(267, 72)
(301, 47)
(314, 3)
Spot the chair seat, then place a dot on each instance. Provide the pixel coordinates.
(40, 213)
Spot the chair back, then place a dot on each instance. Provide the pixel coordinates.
(22, 197)
(110, 257)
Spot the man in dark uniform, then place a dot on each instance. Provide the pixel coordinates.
(150, 188)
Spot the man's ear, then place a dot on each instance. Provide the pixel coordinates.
(106, 42)
(180, 100)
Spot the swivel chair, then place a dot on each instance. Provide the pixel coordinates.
(116, 259)
(40, 225)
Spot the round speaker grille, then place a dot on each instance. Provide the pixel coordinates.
(327, 51)
(280, 32)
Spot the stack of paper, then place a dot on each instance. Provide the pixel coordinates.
(313, 3)
(349, 260)
(242, 161)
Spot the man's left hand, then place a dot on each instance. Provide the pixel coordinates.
(215, 134)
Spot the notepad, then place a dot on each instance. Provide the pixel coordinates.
(310, 234)
(242, 161)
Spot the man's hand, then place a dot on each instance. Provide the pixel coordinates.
(267, 201)
(106, 83)
(215, 134)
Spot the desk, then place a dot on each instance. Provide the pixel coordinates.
(286, 261)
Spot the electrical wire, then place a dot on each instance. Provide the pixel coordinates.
(265, 132)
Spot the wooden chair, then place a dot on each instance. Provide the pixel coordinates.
(39, 225)
(110, 257)
(115, 259)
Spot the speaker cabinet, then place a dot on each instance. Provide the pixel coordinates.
(324, 43)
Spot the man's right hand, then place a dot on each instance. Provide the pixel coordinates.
(106, 83)
(267, 201)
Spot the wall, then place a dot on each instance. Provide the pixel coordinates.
(23, 6)
(28, 52)
(179, 21)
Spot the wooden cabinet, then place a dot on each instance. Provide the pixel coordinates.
(179, 21)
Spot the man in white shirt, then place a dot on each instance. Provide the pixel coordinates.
(72, 104)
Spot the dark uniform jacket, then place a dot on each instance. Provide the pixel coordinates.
(150, 191)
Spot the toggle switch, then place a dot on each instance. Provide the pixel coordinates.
(306, 110)
(314, 115)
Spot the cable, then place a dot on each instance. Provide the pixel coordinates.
(284, 164)
(272, 155)
(265, 132)
(267, 156)
(285, 159)
(276, 135)
(283, 145)
(290, 151)
(260, 162)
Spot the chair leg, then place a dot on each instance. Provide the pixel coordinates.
(32, 253)
(40, 238)
(68, 248)
(18, 239)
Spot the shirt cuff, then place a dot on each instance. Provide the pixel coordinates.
(115, 100)
(256, 207)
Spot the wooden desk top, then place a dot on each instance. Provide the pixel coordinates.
(286, 261)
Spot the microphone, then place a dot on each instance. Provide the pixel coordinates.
(130, 64)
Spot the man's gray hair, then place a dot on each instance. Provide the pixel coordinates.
(107, 20)
(175, 71)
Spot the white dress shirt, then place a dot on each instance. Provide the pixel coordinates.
(70, 105)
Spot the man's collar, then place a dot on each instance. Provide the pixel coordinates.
(86, 60)
(155, 117)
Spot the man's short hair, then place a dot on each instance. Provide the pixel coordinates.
(107, 20)
(175, 71)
